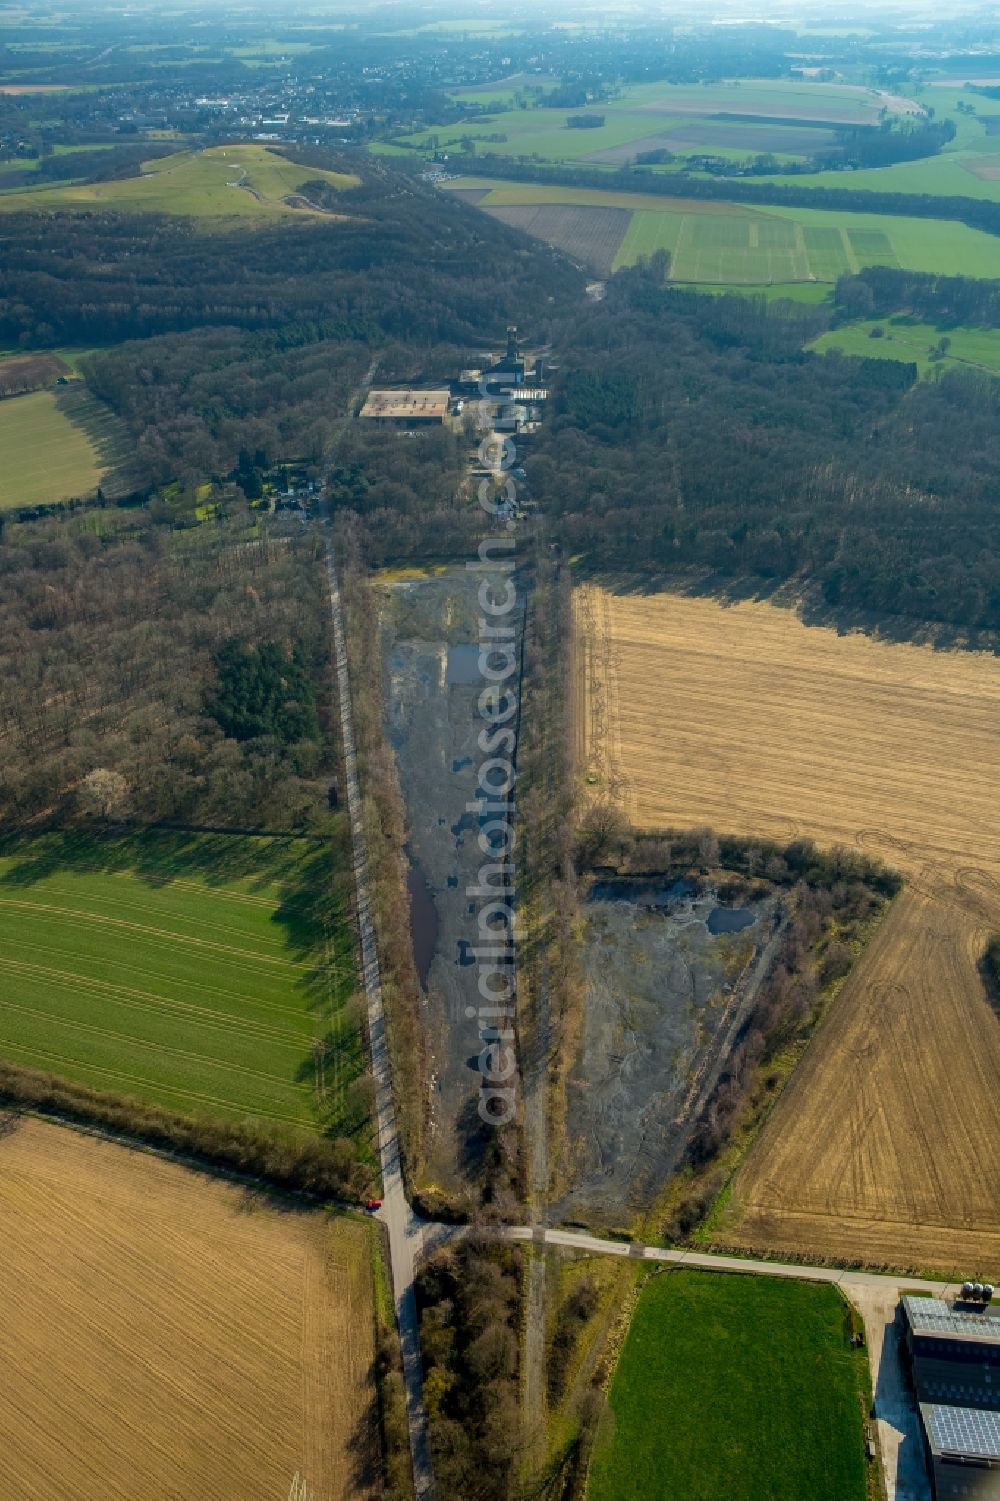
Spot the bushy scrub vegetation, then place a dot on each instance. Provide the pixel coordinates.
(829, 900)
(469, 1299)
(311, 1163)
(384, 822)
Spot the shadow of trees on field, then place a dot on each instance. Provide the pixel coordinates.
(807, 603)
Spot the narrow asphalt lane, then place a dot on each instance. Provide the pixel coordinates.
(709, 1261)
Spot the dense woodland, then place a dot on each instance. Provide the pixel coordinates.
(412, 497)
(121, 694)
(469, 1298)
(685, 432)
(225, 341)
(694, 432)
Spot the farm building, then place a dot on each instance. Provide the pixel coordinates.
(954, 1354)
(962, 1445)
(954, 1357)
(407, 408)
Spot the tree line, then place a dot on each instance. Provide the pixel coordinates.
(879, 291)
(978, 213)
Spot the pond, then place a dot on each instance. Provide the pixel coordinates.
(730, 919)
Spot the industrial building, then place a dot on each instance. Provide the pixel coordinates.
(954, 1359)
(407, 408)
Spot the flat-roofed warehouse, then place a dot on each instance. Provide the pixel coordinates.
(963, 1451)
(405, 408)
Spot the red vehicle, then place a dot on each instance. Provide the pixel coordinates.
(373, 1204)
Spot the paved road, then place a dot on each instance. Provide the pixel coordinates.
(900, 1443)
(709, 1261)
(408, 1236)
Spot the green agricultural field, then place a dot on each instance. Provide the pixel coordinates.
(206, 973)
(250, 182)
(736, 1386)
(53, 446)
(739, 245)
(902, 338)
(735, 119)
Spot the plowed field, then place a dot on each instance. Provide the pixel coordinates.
(167, 1338)
(743, 718)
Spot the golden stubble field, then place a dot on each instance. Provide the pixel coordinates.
(742, 718)
(168, 1337)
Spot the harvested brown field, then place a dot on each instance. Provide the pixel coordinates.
(170, 1335)
(590, 235)
(741, 717)
(30, 372)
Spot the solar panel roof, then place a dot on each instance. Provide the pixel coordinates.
(933, 1316)
(962, 1430)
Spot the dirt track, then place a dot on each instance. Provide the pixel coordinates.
(167, 1337)
(883, 1147)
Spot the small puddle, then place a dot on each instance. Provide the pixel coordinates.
(424, 920)
(730, 919)
(463, 664)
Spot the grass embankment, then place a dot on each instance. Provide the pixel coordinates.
(248, 182)
(208, 974)
(736, 1386)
